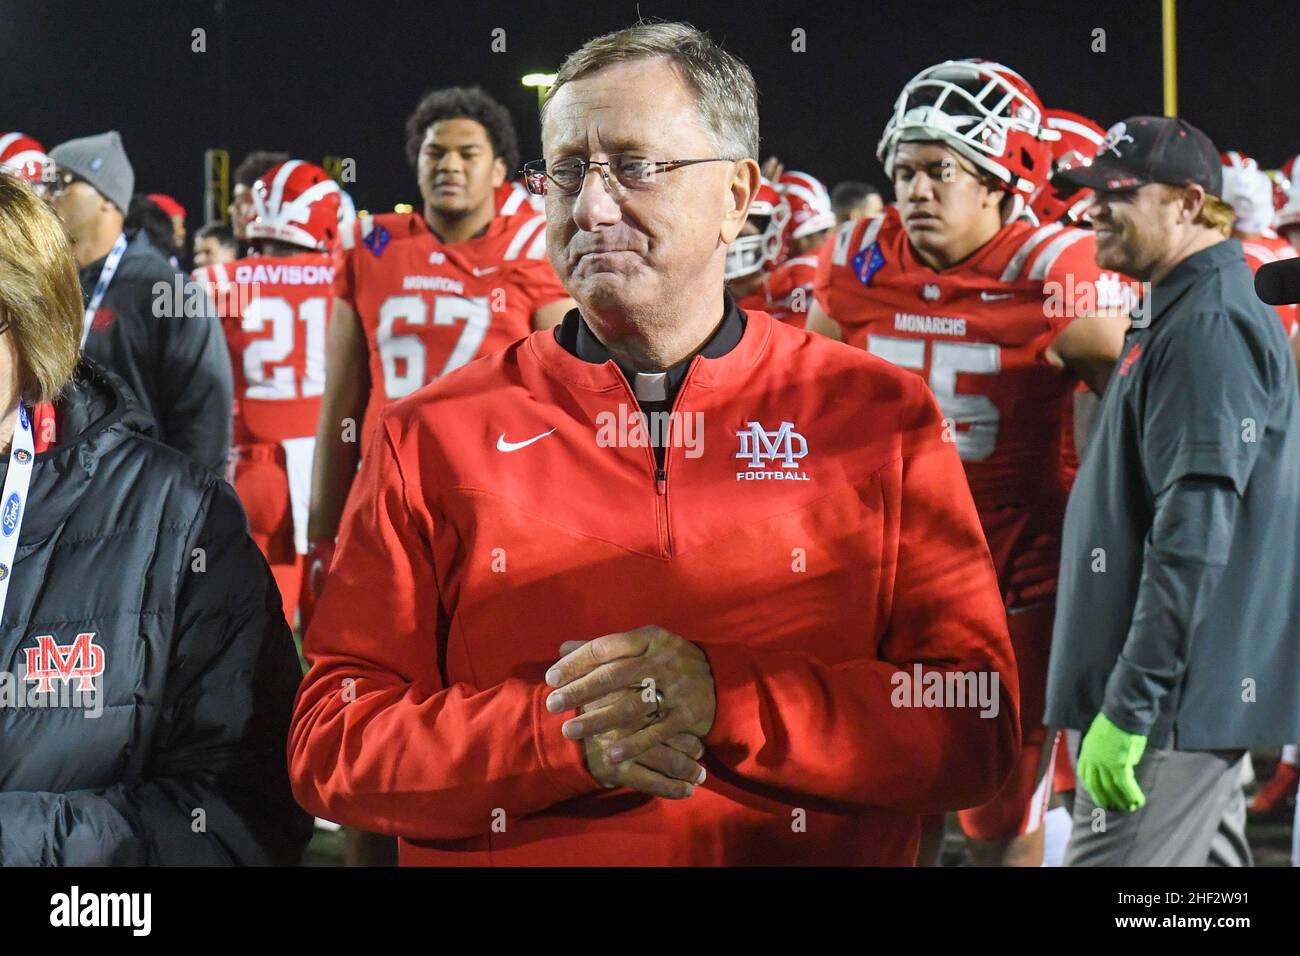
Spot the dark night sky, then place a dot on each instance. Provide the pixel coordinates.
(336, 78)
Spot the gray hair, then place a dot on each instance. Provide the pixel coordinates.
(726, 94)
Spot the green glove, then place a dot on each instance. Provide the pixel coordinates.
(1106, 761)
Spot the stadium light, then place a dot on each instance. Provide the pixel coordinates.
(543, 82)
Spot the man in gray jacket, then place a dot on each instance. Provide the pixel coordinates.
(143, 320)
(1172, 646)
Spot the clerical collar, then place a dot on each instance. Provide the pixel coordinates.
(657, 389)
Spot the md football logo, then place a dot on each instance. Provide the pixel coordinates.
(83, 659)
(761, 446)
(22, 456)
(9, 516)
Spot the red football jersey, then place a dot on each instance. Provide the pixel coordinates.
(275, 312)
(428, 307)
(790, 289)
(1261, 249)
(756, 301)
(977, 333)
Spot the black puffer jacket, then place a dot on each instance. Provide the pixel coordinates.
(132, 543)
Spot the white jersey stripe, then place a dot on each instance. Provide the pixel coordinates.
(538, 249)
(512, 204)
(522, 236)
(869, 236)
(1043, 264)
(1012, 271)
(1262, 253)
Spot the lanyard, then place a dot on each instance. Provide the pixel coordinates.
(13, 500)
(105, 277)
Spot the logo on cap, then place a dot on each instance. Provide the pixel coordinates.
(96, 163)
(1114, 136)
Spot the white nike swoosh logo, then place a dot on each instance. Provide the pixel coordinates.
(503, 445)
(483, 272)
(994, 296)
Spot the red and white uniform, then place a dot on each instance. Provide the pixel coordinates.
(1270, 247)
(275, 313)
(977, 333)
(428, 307)
(790, 289)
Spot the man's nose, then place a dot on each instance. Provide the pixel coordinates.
(920, 187)
(595, 206)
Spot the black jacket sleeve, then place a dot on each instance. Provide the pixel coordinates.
(216, 788)
(195, 388)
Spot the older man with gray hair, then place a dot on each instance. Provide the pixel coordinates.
(671, 583)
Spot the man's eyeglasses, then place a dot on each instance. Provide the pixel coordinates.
(632, 171)
(63, 181)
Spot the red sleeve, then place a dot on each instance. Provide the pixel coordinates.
(539, 282)
(378, 741)
(344, 263)
(846, 731)
(1286, 314)
(823, 279)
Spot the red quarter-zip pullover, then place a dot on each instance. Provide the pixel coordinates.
(490, 524)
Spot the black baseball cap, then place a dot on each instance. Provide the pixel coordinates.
(1148, 149)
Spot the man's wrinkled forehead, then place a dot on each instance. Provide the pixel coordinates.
(643, 104)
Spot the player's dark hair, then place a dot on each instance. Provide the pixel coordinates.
(464, 102)
(144, 213)
(219, 231)
(256, 164)
(848, 194)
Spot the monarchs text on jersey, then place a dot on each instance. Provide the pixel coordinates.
(977, 332)
(429, 307)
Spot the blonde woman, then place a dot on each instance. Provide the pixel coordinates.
(146, 670)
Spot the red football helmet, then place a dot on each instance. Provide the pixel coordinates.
(297, 203)
(982, 110)
(748, 254)
(23, 157)
(1289, 213)
(1079, 140)
(1280, 187)
(1249, 192)
(810, 206)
